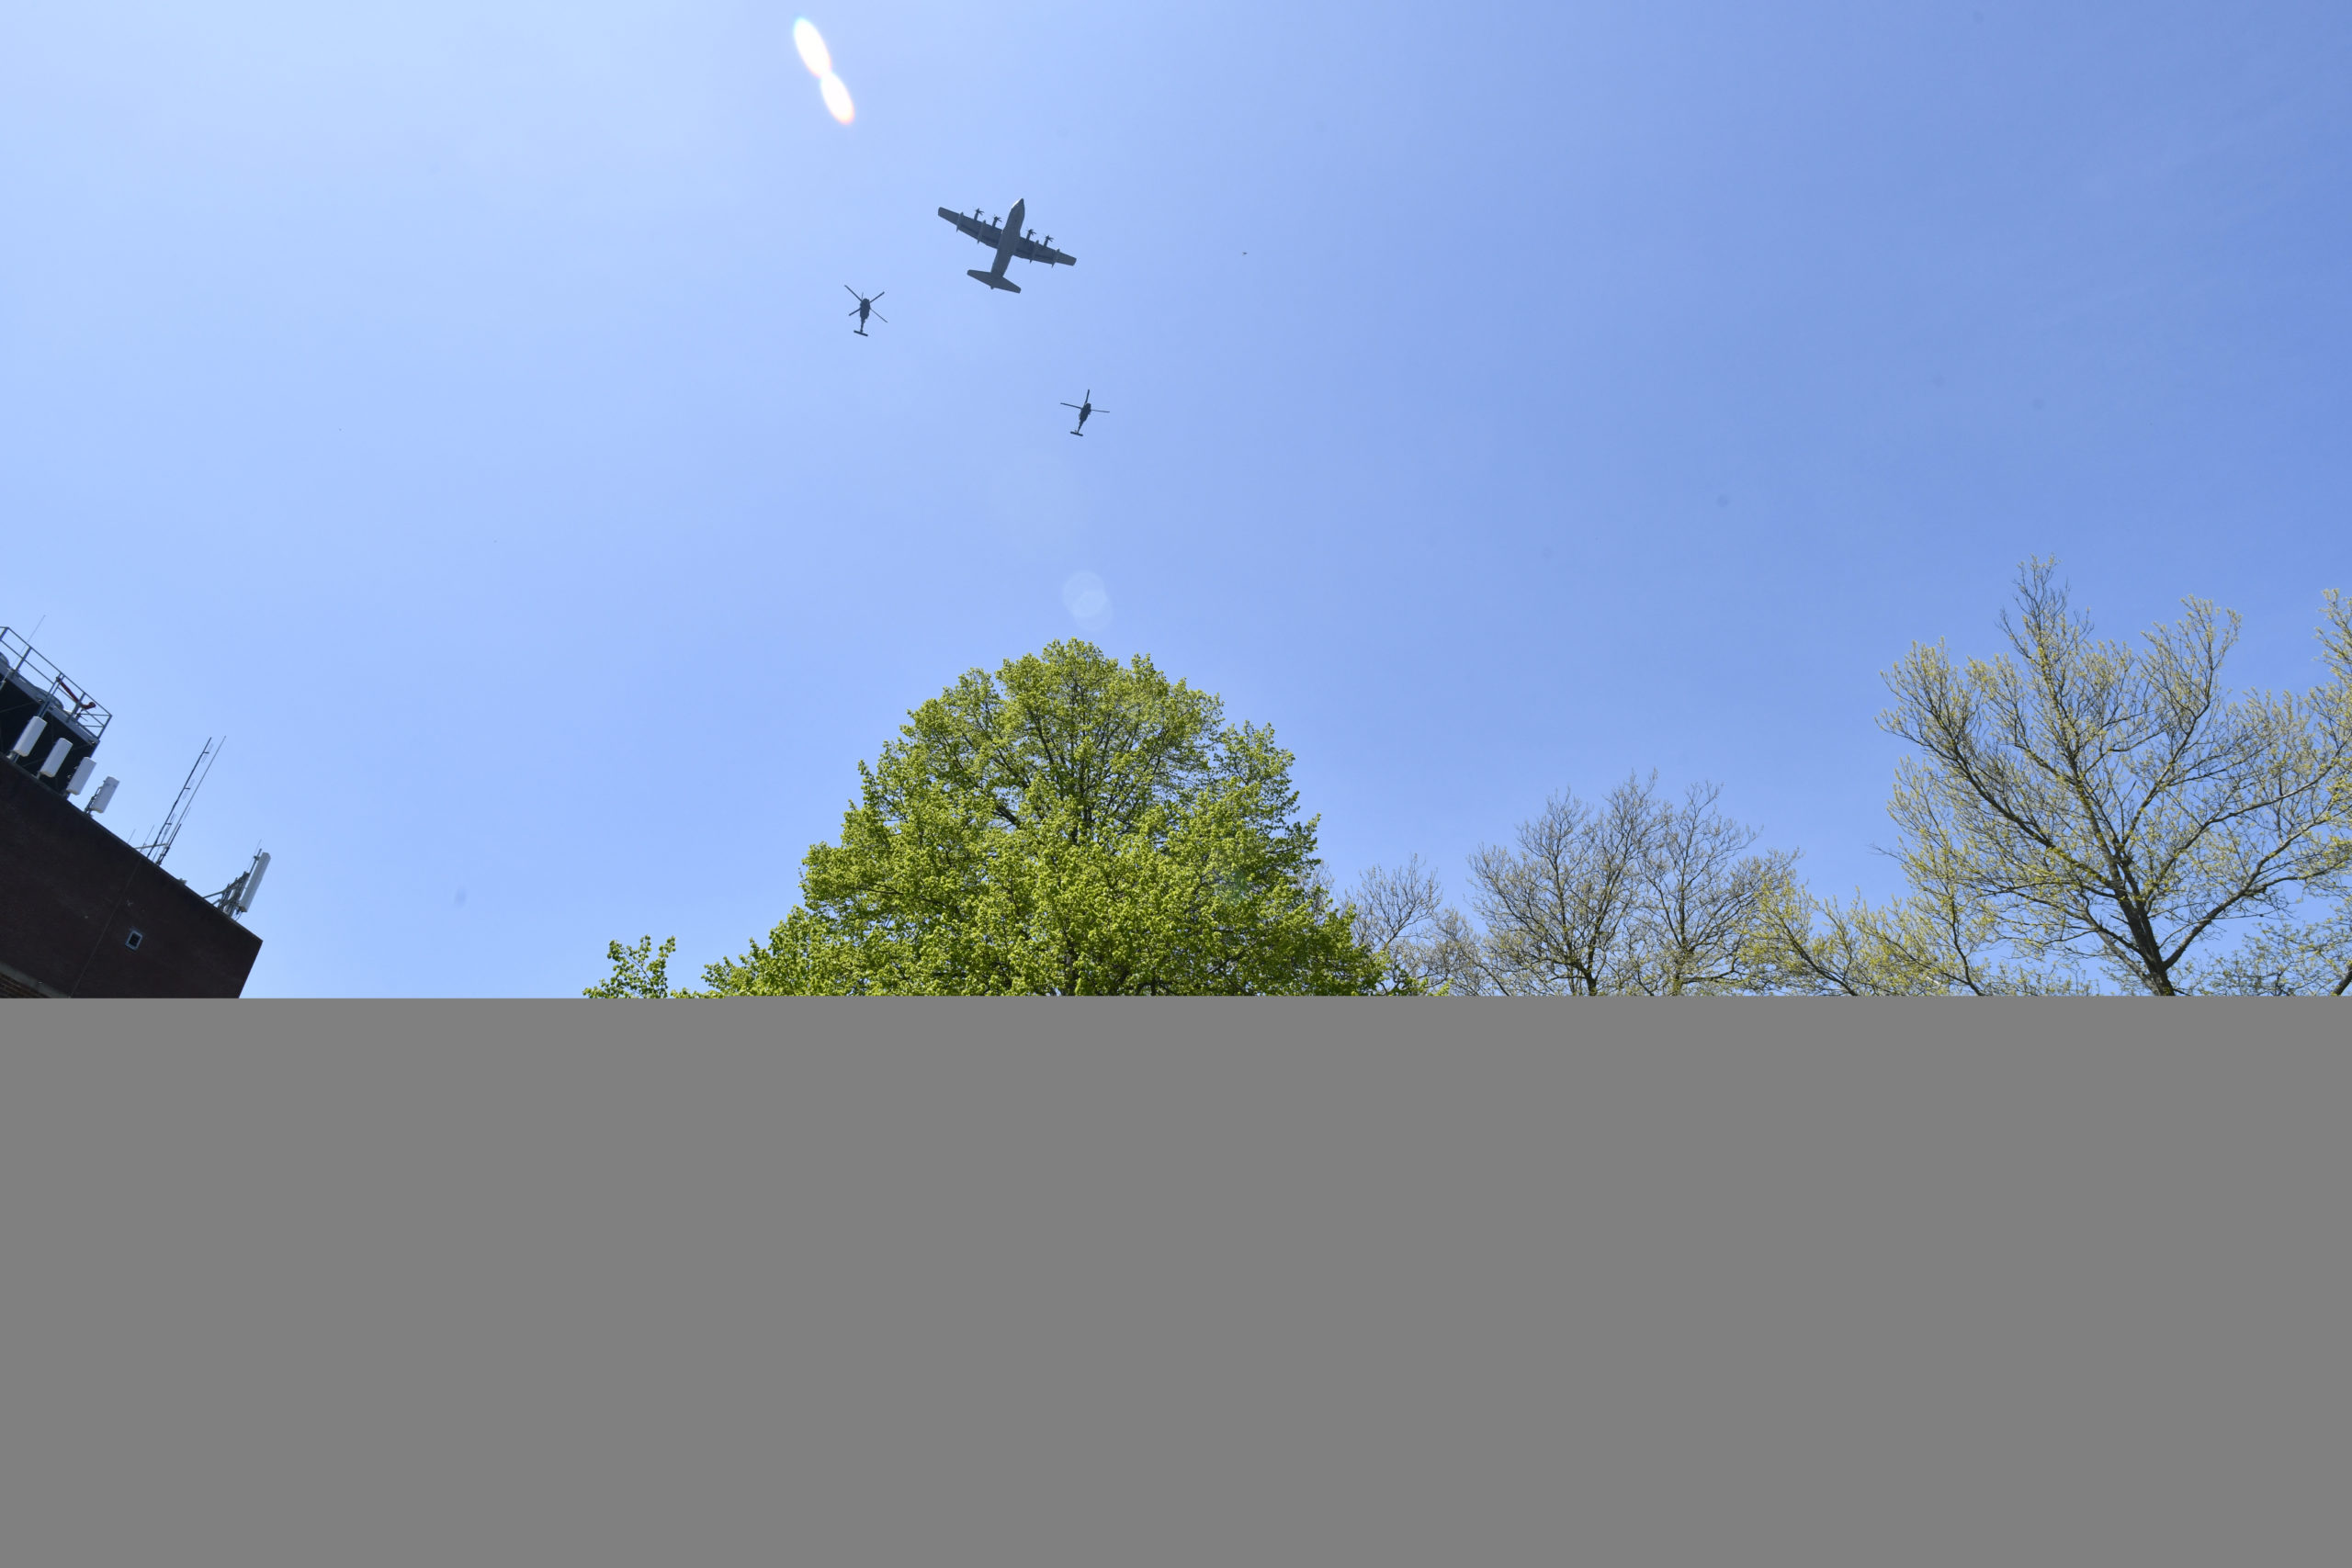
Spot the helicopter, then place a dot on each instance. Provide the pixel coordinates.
(863, 308)
(1084, 407)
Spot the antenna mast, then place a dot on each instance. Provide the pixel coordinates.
(238, 897)
(156, 848)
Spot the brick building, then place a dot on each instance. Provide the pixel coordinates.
(83, 913)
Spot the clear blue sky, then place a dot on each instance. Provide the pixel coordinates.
(454, 404)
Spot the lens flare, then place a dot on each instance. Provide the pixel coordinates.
(813, 52)
(837, 98)
(819, 61)
(1085, 597)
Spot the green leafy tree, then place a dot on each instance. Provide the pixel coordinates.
(2079, 805)
(1066, 826)
(638, 971)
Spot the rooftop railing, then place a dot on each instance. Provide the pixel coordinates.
(22, 663)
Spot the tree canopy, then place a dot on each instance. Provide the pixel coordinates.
(639, 971)
(2079, 804)
(1640, 895)
(2076, 815)
(1067, 825)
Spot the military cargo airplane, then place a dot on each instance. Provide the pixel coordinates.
(1007, 243)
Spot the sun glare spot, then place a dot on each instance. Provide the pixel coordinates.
(837, 98)
(811, 45)
(1086, 599)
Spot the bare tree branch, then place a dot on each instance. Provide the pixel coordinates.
(1638, 895)
(1402, 915)
(2093, 802)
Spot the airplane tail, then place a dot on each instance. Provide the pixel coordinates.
(994, 280)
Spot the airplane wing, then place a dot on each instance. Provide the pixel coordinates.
(1029, 250)
(988, 234)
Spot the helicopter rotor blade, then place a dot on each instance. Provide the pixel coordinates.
(881, 318)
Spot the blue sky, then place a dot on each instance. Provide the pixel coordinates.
(455, 406)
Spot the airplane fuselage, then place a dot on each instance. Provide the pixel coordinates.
(1012, 235)
(994, 278)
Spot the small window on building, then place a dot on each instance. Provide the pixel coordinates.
(134, 938)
